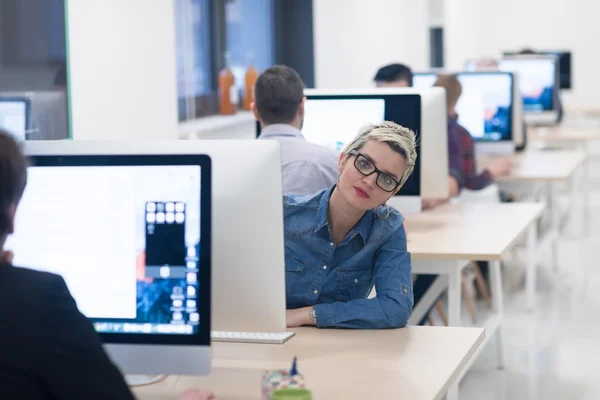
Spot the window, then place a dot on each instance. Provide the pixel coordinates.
(205, 31)
(195, 87)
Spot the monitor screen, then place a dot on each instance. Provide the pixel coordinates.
(334, 120)
(14, 116)
(564, 65)
(537, 81)
(485, 105)
(126, 233)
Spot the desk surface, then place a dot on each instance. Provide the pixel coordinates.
(478, 232)
(411, 363)
(563, 134)
(543, 165)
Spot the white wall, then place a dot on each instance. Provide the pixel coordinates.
(122, 73)
(353, 38)
(476, 28)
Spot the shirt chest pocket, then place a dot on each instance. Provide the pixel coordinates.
(353, 284)
(293, 269)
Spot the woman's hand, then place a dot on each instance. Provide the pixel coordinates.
(298, 317)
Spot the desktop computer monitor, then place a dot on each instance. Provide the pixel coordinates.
(333, 118)
(539, 85)
(47, 115)
(248, 275)
(564, 64)
(14, 116)
(131, 236)
(485, 107)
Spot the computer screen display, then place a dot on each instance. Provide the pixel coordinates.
(14, 116)
(537, 81)
(564, 63)
(334, 120)
(485, 105)
(127, 238)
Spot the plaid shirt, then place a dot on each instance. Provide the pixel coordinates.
(461, 157)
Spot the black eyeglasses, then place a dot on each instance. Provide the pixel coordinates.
(366, 167)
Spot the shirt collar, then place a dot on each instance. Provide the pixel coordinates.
(280, 130)
(363, 228)
(453, 117)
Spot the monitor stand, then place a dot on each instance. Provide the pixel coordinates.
(407, 205)
(500, 148)
(143, 380)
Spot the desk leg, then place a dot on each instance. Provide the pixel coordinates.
(454, 296)
(498, 305)
(530, 279)
(554, 222)
(586, 182)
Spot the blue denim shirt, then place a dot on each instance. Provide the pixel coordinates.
(337, 280)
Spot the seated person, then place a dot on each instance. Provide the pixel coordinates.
(461, 150)
(279, 106)
(49, 349)
(394, 75)
(342, 241)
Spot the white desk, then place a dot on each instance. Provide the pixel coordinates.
(417, 363)
(445, 240)
(539, 172)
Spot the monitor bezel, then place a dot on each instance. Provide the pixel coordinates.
(202, 337)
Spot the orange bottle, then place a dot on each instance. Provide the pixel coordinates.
(228, 94)
(250, 80)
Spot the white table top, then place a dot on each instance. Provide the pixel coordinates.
(477, 232)
(411, 363)
(563, 134)
(543, 165)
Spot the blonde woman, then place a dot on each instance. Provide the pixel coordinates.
(341, 242)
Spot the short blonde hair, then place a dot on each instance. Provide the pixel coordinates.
(400, 139)
(453, 89)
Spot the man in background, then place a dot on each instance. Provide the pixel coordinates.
(394, 75)
(279, 107)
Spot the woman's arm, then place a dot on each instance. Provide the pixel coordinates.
(393, 305)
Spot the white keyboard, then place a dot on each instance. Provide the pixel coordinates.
(251, 337)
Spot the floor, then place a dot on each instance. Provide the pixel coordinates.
(554, 351)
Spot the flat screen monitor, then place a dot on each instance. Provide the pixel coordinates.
(14, 116)
(538, 81)
(333, 118)
(131, 236)
(240, 257)
(564, 63)
(485, 105)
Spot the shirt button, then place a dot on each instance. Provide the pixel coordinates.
(356, 281)
(315, 291)
(331, 244)
(324, 266)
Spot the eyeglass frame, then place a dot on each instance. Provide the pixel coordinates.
(375, 170)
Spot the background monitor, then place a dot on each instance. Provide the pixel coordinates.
(131, 236)
(47, 116)
(247, 236)
(564, 62)
(333, 118)
(538, 83)
(14, 116)
(485, 105)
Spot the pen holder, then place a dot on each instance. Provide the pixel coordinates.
(280, 379)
